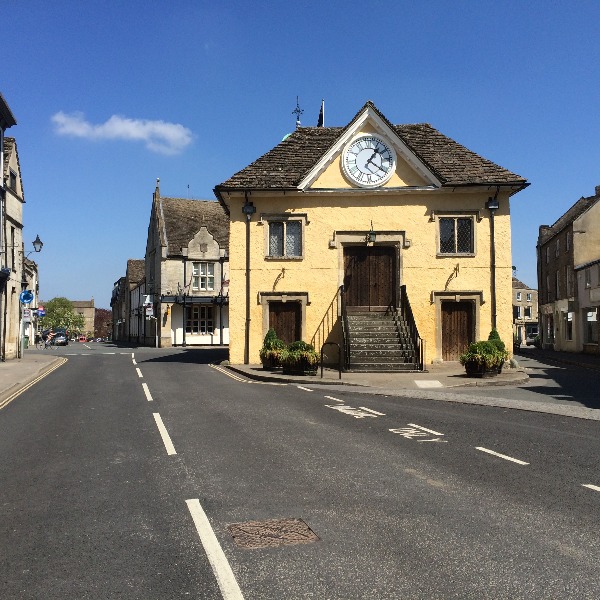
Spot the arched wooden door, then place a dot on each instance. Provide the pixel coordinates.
(369, 278)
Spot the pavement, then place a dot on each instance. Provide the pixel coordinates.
(16, 375)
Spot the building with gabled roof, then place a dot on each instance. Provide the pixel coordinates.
(187, 273)
(337, 224)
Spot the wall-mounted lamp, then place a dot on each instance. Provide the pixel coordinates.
(248, 209)
(371, 235)
(492, 204)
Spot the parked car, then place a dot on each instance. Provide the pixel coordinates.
(60, 339)
(82, 338)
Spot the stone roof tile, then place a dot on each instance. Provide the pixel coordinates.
(183, 219)
(286, 164)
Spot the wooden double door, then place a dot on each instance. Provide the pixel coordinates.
(370, 277)
(458, 328)
(286, 319)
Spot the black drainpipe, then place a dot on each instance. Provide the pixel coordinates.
(492, 205)
(248, 209)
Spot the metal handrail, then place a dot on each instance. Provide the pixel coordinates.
(407, 315)
(339, 357)
(345, 336)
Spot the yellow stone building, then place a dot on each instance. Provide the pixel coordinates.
(339, 234)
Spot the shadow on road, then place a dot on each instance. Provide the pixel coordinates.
(578, 383)
(199, 356)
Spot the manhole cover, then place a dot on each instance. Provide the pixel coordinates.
(276, 532)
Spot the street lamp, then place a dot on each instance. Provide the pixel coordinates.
(23, 299)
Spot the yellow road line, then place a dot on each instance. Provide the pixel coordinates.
(31, 383)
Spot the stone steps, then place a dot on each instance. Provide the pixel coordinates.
(380, 342)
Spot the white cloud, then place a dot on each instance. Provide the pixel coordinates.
(165, 138)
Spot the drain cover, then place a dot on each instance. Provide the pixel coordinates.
(268, 534)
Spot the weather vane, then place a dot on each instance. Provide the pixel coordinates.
(297, 111)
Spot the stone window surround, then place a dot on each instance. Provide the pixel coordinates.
(265, 297)
(266, 218)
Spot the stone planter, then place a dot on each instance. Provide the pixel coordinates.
(474, 369)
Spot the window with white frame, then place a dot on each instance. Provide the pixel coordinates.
(590, 325)
(518, 296)
(203, 276)
(199, 320)
(518, 312)
(528, 297)
(456, 235)
(527, 312)
(568, 325)
(285, 238)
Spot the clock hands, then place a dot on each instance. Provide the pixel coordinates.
(370, 161)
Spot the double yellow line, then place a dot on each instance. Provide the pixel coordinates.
(8, 400)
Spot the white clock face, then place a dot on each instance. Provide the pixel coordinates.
(368, 161)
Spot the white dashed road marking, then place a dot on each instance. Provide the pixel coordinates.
(305, 389)
(164, 434)
(515, 460)
(228, 585)
(147, 392)
(591, 487)
(139, 372)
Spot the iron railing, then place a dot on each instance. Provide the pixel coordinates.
(407, 315)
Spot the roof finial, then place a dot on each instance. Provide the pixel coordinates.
(297, 111)
(321, 119)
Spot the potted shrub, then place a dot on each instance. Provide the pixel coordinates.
(271, 351)
(482, 359)
(300, 358)
(494, 338)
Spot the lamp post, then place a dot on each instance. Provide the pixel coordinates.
(37, 247)
(184, 251)
(248, 209)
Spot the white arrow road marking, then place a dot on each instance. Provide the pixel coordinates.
(164, 434)
(228, 585)
(515, 460)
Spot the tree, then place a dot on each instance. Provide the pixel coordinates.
(60, 314)
(103, 322)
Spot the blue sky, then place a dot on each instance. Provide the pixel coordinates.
(109, 95)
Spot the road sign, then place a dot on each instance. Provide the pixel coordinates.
(41, 312)
(26, 297)
(26, 315)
